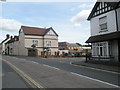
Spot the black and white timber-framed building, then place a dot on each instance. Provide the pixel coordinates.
(105, 30)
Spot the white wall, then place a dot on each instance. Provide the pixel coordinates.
(111, 22)
(15, 48)
(22, 50)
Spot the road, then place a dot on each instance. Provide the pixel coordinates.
(11, 79)
(59, 73)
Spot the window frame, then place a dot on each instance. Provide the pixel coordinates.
(35, 42)
(48, 43)
(103, 27)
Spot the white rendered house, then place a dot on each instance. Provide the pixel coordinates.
(105, 30)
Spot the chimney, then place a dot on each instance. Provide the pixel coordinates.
(7, 36)
(11, 37)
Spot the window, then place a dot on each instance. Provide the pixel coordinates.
(48, 43)
(101, 49)
(35, 42)
(103, 23)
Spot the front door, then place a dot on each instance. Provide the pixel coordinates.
(32, 52)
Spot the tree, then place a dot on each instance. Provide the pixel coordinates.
(33, 45)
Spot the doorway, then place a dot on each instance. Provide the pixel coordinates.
(32, 52)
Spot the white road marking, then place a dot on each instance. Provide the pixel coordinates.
(34, 62)
(94, 79)
(51, 67)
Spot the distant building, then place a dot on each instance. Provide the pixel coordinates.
(33, 41)
(73, 48)
(2, 45)
(12, 46)
(68, 46)
(105, 30)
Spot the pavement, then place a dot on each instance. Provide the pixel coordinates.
(97, 66)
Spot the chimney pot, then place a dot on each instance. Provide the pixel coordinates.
(11, 37)
(7, 36)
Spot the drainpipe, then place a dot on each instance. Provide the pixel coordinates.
(116, 19)
(117, 31)
(43, 46)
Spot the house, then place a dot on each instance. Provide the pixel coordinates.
(73, 48)
(2, 45)
(62, 46)
(105, 30)
(68, 46)
(33, 41)
(11, 47)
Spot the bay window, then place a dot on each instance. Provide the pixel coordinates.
(101, 49)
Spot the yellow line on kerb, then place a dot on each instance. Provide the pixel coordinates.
(26, 76)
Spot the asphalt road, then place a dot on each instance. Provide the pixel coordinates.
(11, 79)
(59, 73)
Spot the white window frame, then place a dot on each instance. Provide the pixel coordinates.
(103, 24)
(48, 43)
(105, 49)
(35, 42)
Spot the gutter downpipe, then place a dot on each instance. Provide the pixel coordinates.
(117, 31)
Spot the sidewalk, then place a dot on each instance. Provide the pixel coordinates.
(98, 66)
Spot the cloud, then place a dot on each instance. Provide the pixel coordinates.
(86, 6)
(51, 0)
(77, 24)
(9, 25)
(81, 16)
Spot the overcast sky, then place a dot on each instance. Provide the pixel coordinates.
(68, 19)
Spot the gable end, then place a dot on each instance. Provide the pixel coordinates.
(101, 8)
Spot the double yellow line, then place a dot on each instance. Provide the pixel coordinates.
(25, 75)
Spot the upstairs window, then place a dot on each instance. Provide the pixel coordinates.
(103, 23)
(35, 42)
(48, 43)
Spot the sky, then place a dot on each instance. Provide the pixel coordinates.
(68, 19)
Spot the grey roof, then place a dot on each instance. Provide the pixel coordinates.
(104, 37)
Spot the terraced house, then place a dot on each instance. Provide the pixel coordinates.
(35, 41)
(105, 30)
